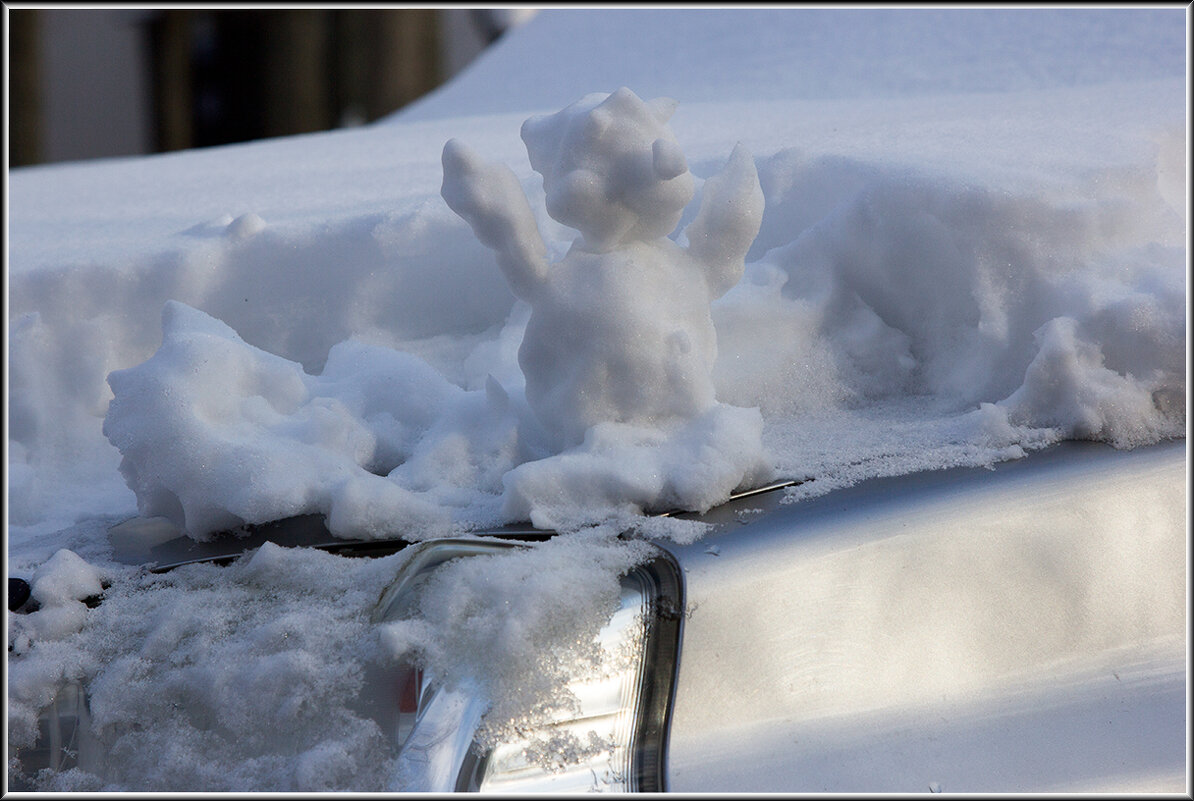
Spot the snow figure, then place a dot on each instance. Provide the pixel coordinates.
(620, 329)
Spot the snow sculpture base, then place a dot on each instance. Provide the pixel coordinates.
(623, 469)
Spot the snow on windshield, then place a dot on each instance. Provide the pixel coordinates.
(839, 253)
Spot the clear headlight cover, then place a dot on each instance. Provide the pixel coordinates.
(64, 739)
(613, 739)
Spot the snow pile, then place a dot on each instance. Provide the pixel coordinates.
(227, 679)
(1068, 386)
(216, 433)
(1015, 319)
(618, 355)
(1024, 318)
(59, 588)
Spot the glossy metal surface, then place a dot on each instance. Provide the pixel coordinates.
(1015, 629)
(1020, 628)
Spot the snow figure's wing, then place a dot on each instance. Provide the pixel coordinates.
(728, 221)
(489, 198)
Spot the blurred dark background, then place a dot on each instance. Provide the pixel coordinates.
(94, 83)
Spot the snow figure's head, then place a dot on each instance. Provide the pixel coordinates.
(611, 168)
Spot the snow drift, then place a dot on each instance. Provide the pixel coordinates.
(1045, 319)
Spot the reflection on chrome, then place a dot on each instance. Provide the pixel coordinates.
(590, 747)
(613, 738)
(439, 740)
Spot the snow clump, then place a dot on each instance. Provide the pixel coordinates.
(222, 679)
(60, 588)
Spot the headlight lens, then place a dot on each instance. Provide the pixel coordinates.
(64, 739)
(614, 738)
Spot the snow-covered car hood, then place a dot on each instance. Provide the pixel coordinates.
(972, 246)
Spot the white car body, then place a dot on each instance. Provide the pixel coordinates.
(1014, 629)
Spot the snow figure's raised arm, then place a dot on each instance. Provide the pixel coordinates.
(728, 221)
(490, 199)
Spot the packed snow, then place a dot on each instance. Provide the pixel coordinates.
(577, 285)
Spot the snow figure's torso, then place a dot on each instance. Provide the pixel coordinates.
(624, 336)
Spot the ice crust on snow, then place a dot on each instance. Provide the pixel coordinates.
(932, 283)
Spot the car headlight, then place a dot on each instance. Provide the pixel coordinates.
(64, 738)
(620, 721)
